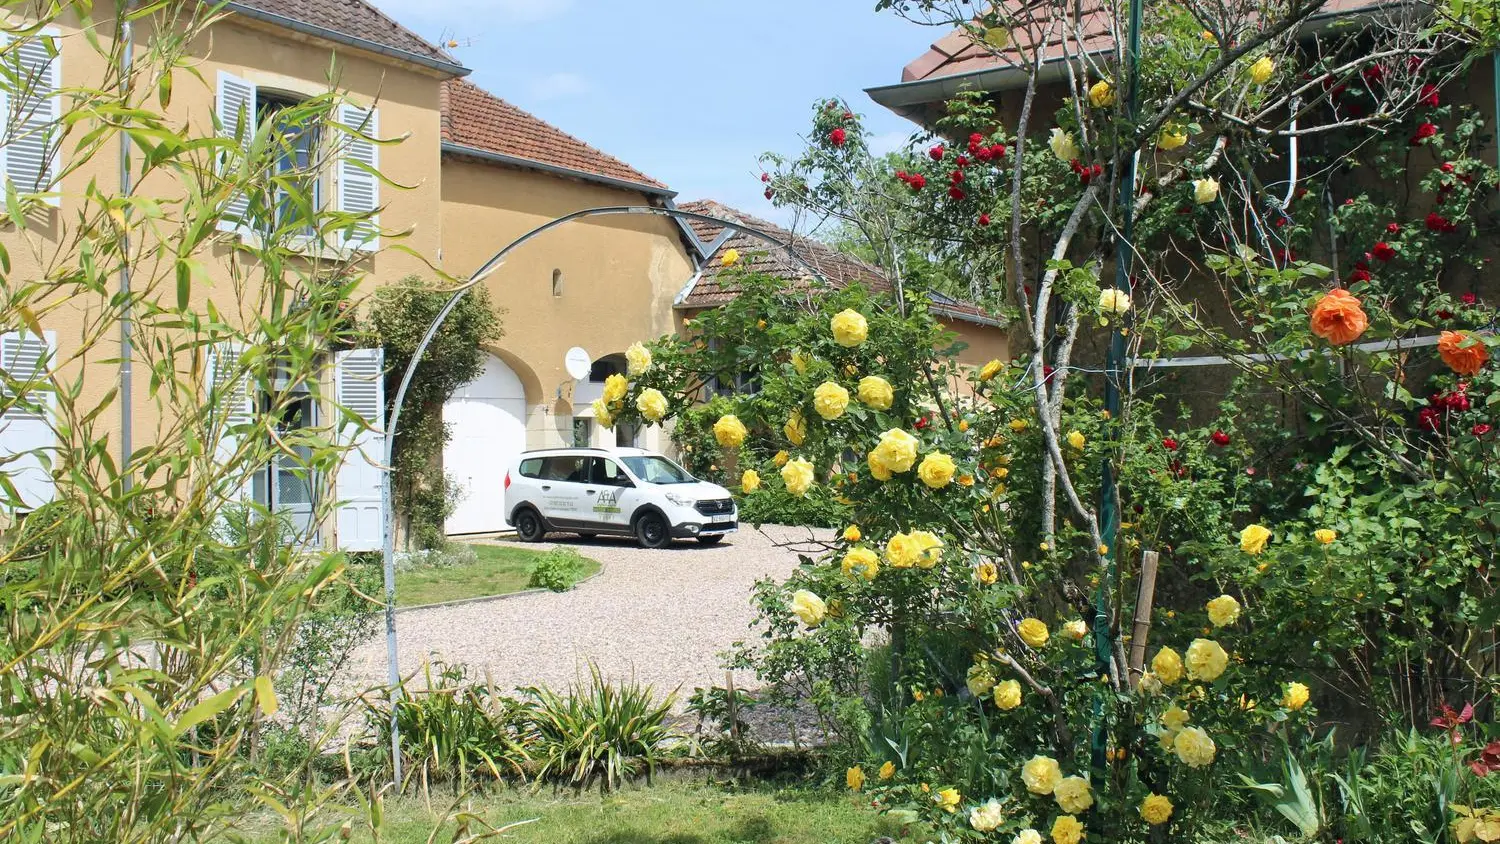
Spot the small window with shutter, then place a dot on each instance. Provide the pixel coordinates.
(27, 439)
(30, 83)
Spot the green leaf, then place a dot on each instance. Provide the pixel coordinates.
(207, 709)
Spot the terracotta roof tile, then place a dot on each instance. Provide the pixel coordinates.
(355, 18)
(473, 117)
(716, 287)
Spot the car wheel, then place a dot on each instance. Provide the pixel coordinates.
(529, 525)
(710, 540)
(651, 531)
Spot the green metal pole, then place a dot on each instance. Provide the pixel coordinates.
(1109, 511)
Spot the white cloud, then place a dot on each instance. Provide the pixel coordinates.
(557, 86)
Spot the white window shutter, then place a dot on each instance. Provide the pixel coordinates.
(359, 385)
(26, 434)
(235, 109)
(359, 187)
(34, 115)
(231, 405)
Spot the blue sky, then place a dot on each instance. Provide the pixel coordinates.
(690, 92)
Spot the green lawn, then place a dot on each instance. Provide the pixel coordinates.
(499, 571)
(667, 813)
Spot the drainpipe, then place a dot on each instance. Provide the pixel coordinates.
(126, 349)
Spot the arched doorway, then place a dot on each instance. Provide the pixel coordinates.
(486, 419)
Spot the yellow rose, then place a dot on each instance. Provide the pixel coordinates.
(830, 400)
(1041, 774)
(1156, 809)
(1167, 666)
(1223, 610)
(1113, 301)
(877, 469)
(1325, 536)
(1076, 629)
(855, 778)
(1019, 425)
(1295, 697)
(1171, 139)
(1150, 684)
(1066, 830)
(1063, 146)
(929, 548)
(987, 573)
(795, 428)
(800, 362)
(1102, 94)
(781, 458)
(809, 608)
(615, 387)
(937, 470)
(1175, 718)
(987, 817)
(602, 414)
(729, 431)
(1194, 747)
(1253, 539)
(849, 328)
(652, 404)
(1205, 190)
(750, 481)
(901, 551)
(990, 370)
(1027, 836)
(862, 562)
(887, 770)
(798, 476)
(1008, 694)
(637, 359)
(1206, 660)
(1033, 632)
(1261, 71)
(896, 452)
(1076, 440)
(948, 799)
(980, 679)
(852, 534)
(876, 392)
(1072, 795)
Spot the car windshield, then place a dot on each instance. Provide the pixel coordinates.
(657, 470)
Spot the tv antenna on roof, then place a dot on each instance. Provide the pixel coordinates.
(450, 40)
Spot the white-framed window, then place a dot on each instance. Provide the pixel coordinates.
(26, 405)
(31, 100)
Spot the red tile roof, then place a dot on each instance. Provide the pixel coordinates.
(716, 287)
(355, 19)
(477, 119)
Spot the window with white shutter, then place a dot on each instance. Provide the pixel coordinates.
(26, 401)
(359, 385)
(231, 405)
(234, 109)
(359, 187)
(33, 112)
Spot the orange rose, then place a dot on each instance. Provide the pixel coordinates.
(1338, 318)
(1465, 360)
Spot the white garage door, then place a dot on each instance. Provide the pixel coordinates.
(487, 421)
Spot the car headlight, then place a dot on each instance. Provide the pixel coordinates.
(679, 500)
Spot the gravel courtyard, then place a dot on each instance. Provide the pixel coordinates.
(663, 617)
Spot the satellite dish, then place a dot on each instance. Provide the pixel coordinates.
(578, 363)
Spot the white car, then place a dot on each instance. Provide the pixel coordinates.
(622, 491)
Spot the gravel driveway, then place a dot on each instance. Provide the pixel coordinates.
(663, 617)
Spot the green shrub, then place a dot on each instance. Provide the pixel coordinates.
(604, 733)
(772, 504)
(451, 729)
(559, 570)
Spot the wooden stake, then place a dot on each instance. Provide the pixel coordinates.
(1141, 630)
(734, 707)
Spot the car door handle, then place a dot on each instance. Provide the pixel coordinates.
(590, 491)
(546, 487)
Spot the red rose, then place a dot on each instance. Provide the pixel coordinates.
(984, 219)
(983, 154)
(962, 161)
(1374, 73)
(1447, 167)
(956, 192)
(1359, 274)
(1438, 223)
(1393, 228)
(1219, 438)
(837, 136)
(770, 193)
(1468, 298)
(1383, 251)
(1481, 429)
(917, 181)
(1429, 95)
(956, 176)
(1348, 202)
(1169, 444)
(1445, 314)
(976, 141)
(1429, 418)
(936, 153)
(765, 177)
(1413, 63)
(997, 150)
(1424, 131)
(1458, 402)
